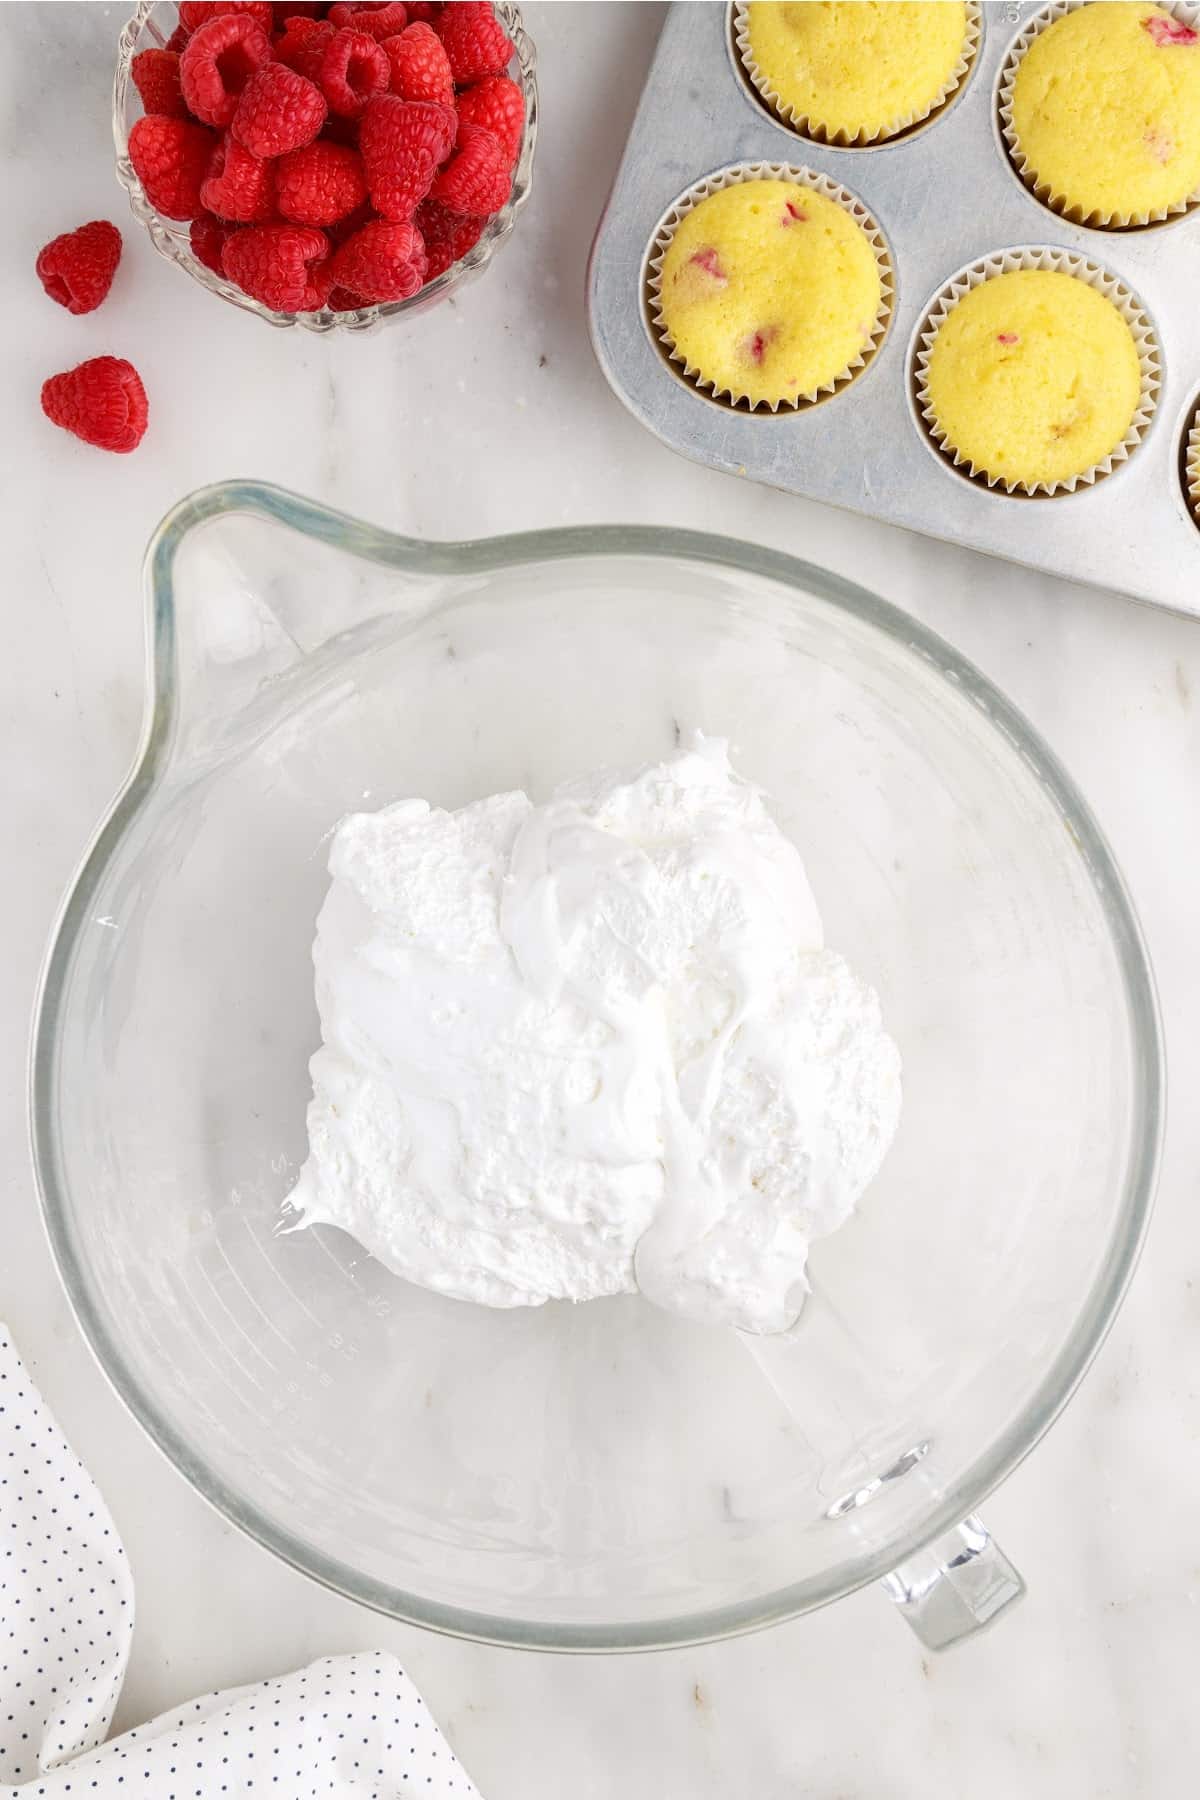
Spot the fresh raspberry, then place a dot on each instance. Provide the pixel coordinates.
(403, 142)
(378, 22)
(498, 105)
(353, 70)
(177, 42)
(476, 179)
(195, 13)
(383, 261)
(170, 158)
(448, 235)
(340, 131)
(420, 70)
(475, 40)
(284, 266)
(286, 11)
(423, 12)
(278, 111)
(102, 401)
(303, 45)
(156, 77)
(208, 237)
(341, 229)
(77, 268)
(219, 60)
(320, 184)
(239, 187)
(342, 300)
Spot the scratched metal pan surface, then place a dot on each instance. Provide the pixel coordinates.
(944, 196)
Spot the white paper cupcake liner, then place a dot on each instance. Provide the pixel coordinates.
(1066, 263)
(813, 129)
(1191, 467)
(817, 183)
(1042, 190)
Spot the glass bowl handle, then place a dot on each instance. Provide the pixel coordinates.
(955, 1586)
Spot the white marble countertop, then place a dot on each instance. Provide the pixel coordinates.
(1088, 1688)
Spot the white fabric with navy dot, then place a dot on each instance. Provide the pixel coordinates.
(346, 1728)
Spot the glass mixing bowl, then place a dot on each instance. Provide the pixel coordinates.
(600, 1476)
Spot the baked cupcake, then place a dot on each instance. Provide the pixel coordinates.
(855, 71)
(1031, 378)
(1101, 111)
(769, 291)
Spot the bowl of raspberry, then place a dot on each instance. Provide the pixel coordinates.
(329, 166)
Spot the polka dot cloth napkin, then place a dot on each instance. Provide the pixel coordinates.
(347, 1728)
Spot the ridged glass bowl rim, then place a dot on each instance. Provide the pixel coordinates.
(425, 558)
(170, 237)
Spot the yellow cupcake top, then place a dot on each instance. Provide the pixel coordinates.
(1106, 110)
(1033, 376)
(857, 68)
(769, 290)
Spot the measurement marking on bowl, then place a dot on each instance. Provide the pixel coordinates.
(859, 1496)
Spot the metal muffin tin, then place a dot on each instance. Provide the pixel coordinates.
(945, 195)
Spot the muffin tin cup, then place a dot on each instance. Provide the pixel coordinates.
(1042, 190)
(840, 139)
(801, 177)
(1065, 263)
(1191, 468)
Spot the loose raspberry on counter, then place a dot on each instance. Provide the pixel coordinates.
(278, 111)
(194, 13)
(287, 267)
(156, 77)
(381, 262)
(354, 69)
(420, 67)
(476, 179)
(320, 184)
(208, 237)
(219, 60)
(403, 142)
(448, 235)
(303, 45)
(239, 187)
(378, 22)
(498, 105)
(77, 268)
(170, 158)
(475, 41)
(102, 401)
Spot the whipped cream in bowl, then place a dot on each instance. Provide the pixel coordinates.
(591, 1047)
